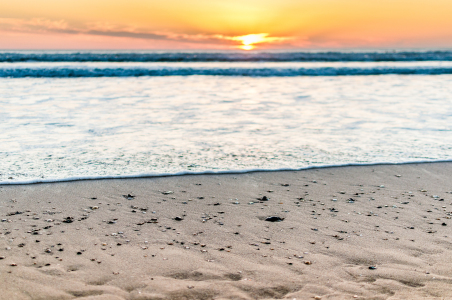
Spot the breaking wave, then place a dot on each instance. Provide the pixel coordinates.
(112, 56)
(71, 72)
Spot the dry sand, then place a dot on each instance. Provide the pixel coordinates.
(367, 232)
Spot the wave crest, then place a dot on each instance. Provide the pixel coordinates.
(249, 72)
(226, 56)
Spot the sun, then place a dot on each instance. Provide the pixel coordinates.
(246, 47)
(249, 40)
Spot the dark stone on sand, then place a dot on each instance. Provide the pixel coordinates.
(68, 220)
(264, 198)
(129, 196)
(216, 204)
(14, 213)
(372, 268)
(274, 219)
(444, 224)
(178, 219)
(79, 253)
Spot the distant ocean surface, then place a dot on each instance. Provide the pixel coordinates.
(72, 115)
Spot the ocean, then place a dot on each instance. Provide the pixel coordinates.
(67, 115)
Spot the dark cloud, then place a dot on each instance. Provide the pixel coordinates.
(61, 26)
(201, 39)
(139, 35)
(198, 39)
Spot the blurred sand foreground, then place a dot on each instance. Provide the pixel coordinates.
(363, 232)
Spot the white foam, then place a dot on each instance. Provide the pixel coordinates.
(209, 172)
(94, 127)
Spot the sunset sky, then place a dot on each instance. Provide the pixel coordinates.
(231, 24)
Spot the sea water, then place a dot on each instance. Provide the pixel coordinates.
(72, 115)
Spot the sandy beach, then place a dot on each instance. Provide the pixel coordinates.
(361, 232)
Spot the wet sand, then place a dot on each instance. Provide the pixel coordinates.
(364, 232)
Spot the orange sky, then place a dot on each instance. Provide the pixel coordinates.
(213, 24)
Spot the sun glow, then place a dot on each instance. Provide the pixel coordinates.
(249, 40)
(246, 47)
(238, 24)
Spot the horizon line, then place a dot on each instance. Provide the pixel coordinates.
(395, 49)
